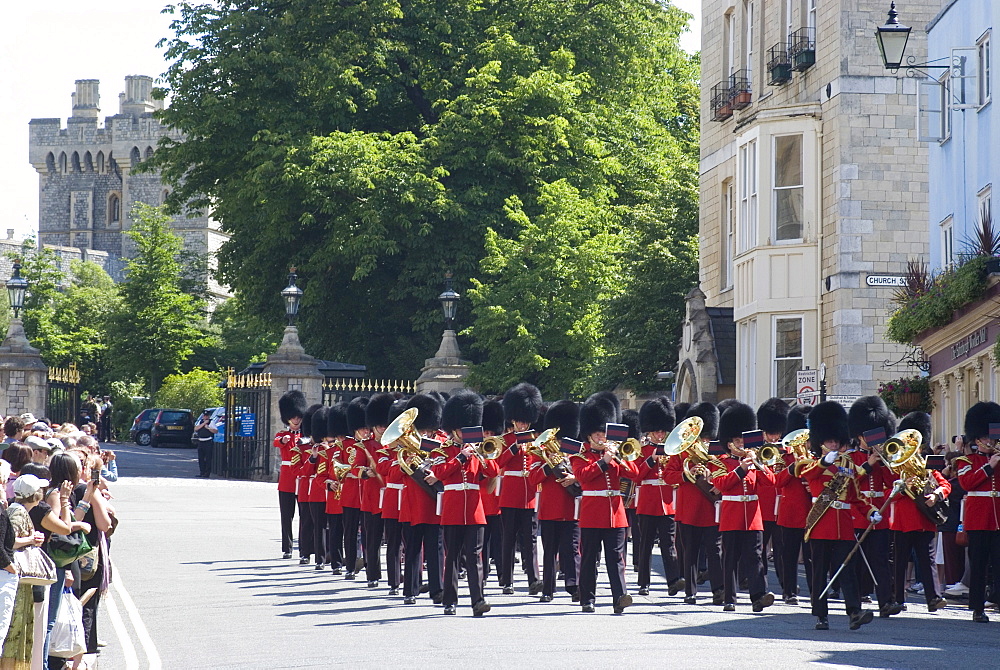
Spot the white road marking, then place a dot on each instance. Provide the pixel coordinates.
(128, 649)
(148, 648)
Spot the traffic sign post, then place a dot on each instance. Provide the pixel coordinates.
(807, 386)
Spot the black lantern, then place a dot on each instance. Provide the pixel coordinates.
(449, 302)
(292, 295)
(892, 39)
(17, 286)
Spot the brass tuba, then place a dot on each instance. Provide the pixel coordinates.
(685, 439)
(412, 460)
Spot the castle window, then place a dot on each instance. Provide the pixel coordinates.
(62, 162)
(136, 156)
(100, 162)
(166, 194)
(50, 163)
(149, 152)
(88, 162)
(114, 208)
(76, 161)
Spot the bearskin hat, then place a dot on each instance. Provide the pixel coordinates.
(522, 403)
(464, 408)
(493, 417)
(681, 410)
(772, 416)
(428, 411)
(630, 418)
(377, 410)
(291, 404)
(828, 421)
(920, 422)
(978, 420)
(725, 404)
(336, 421)
(657, 414)
(356, 419)
(610, 398)
(708, 413)
(564, 415)
(397, 408)
(319, 428)
(736, 420)
(594, 415)
(867, 413)
(798, 418)
(306, 429)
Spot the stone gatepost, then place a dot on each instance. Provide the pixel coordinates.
(24, 376)
(291, 368)
(446, 371)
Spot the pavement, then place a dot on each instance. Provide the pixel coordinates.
(198, 583)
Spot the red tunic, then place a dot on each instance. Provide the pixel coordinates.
(333, 453)
(488, 488)
(284, 442)
(739, 508)
(601, 505)
(371, 487)
(554, 502)
(837, 523)
(691, 505)
(873, 487)
(353, 455)
(905, 517)
(416, 505)
(515, 489)
(654, 496)
(317, 482)
(794, 499)
(460, 501)
(981, 505)
(303, 471)
(387, 466)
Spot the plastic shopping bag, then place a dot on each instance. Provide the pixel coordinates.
(67, 638)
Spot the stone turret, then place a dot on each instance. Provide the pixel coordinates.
(87, 99)
(138, 98)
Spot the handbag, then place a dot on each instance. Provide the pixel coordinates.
(64, 549)
(67, 638)
(34, 566)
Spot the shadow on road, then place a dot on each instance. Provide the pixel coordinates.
(171, 462)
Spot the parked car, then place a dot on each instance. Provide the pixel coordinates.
(172, 426)
(142, 425)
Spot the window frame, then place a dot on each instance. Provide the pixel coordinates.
(746, 343)
(947, 228)
(775, 188)
(945, 82)
(728, 235)
(114, 215)
(748, 214)
(749, 29)
(774, 350)
(983, 45)
(985, 196)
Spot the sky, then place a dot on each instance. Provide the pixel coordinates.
(46, 46)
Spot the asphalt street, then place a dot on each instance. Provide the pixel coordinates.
(199, 584)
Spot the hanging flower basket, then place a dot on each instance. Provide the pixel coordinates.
(910, 394)
(909, 402)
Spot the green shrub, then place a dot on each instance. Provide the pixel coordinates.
(128, 399)
(193, 390)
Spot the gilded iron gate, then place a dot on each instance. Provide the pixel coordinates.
(246, 450)
(62, 401)
(340, 389)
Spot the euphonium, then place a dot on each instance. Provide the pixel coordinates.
(902, 454)
(339, 471)
(546, 447)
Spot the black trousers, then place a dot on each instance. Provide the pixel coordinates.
(393, 545)
(318, 511)
(518, 526)
(741, 550)
(694, 539)
(428, 537)
(634, 533)
(591, 542)
(923, 546)
(877, 550)
(335, 540)
(828, 555)
(791, 545)
(773, 538)
(984, 559)
(463, 542)
(205, 448)
(560, 539)
(652, 528)
(286, 508)
(105, 429)
(305, 530)
(373, 545)
(492, 543)
(352, 525)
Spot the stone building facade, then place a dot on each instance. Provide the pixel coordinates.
(88, 180)
(812, 179)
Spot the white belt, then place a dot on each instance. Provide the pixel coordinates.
(739, 498)
(983, 494)
(461, 487)
(513, 473)
(836, 504)
(652, 482)
(286, 462)
(873, 494)
(397, 487)
(607, 493)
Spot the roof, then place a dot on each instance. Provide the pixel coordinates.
(328, 368)
(724, 339)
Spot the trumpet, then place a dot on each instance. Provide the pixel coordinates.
(767, 456)
(490, 447)
(625, 452)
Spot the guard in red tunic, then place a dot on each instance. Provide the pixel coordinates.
(362, 468)
(462, 515)
(697, 529)
(793, 504)
(303, 480)
(317, 463)
(771, 417)
(654, 504)
(493, 426)
(741, 523)
(291, 407)
(377, 417)
(556, 506)
(830, 527)
(979, 475)
(521, 405)
(602, 511)
(336, 430)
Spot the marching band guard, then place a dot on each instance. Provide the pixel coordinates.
(794, 501)
(979, 475)
(630, 488)
(522, 405)
(356, 456)
(771, 418)
(697, 529)
(602, 520)
(556, 507)
(383, 407)
(830, 524)
(488, 491)
(336, 430)
(372, 482)
(419, 511)
(291, 406)
(869, 413)
(655, 498)
(319, 460)
(741, 523)
(462, 517)
(303, 480)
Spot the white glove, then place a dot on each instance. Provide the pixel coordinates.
(875, 518)
(830, 457)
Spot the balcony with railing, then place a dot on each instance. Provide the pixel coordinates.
(740, 94)
(779, 65)
(802, 49)
(721, 108)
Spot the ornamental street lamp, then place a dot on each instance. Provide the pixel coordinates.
(449, 302)
(892, 39)
(292, 295)
(17, 286)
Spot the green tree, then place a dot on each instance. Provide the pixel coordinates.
(193, 390)
(157, 325)
(375, 145)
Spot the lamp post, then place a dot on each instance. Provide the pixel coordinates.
(449, 302)
(17, 286)
(892, 38)
(292, 295)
